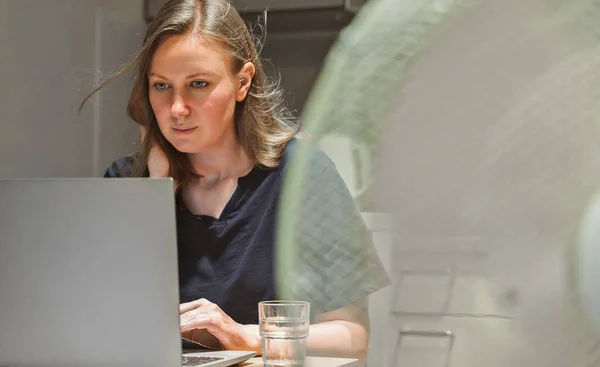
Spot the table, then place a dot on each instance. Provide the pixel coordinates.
(310, 362)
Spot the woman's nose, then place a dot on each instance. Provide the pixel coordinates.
(179, 108)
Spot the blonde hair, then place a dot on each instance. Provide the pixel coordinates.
(263, 124)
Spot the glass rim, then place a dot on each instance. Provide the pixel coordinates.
(283, 303)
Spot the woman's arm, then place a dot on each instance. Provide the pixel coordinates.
(340, 333)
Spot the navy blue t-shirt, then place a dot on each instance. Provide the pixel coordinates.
(229, 260)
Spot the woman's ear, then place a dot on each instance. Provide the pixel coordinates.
(246, 75)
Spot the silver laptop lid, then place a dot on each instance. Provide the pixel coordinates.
(88, 273)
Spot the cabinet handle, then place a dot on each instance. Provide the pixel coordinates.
(429, 334)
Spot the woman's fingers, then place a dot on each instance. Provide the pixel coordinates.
(208, 317)
(211, 321)
(199, 314)
(189, 306)
(191, 321)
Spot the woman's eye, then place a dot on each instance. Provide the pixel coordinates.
(199, 84)
(161, 86)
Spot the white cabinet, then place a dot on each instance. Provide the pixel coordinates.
(278, 5)
(253, 6)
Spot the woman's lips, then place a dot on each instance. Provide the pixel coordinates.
(184, 131)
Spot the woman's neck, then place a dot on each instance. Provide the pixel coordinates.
(227, 159)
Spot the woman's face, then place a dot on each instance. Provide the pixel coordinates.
(193, 92)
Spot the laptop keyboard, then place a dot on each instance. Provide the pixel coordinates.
(197, 360)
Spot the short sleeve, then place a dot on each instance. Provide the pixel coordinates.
(327, 253)
(124, 167)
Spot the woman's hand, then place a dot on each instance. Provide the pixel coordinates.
(200, 315)
(158, 164)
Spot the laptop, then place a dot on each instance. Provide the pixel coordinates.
(88, 275)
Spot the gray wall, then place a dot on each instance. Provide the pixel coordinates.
(52, 51)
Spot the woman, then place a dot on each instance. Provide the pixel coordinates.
(211, 121)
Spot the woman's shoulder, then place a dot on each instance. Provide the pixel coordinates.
(125, 166)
